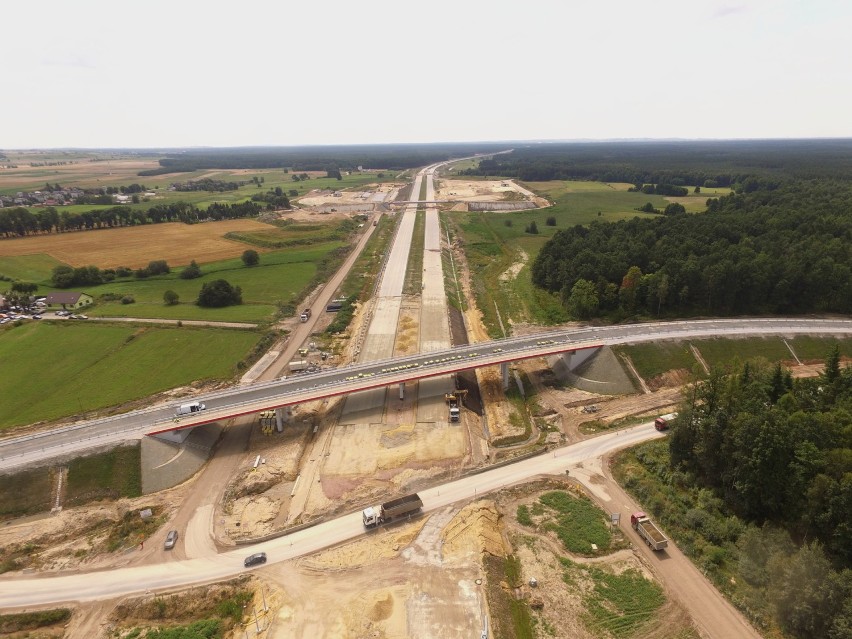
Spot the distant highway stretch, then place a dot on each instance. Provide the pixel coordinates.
(241, 400)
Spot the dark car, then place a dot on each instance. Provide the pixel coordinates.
(171, 539)
(255, 559)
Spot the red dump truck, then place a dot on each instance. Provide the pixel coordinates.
(393, 509)
(652, 535)
(664, 421)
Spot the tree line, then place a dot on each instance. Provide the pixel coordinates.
(20, 221)
(710, 163)
(208, 184)
(778, 452)
(788, 250)
(331, 158)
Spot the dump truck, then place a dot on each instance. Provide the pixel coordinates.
(306, 315)
(652, 535)
(454, 400)
(298, 365)
(393, 509)
(188, 409)
(664, 421)
(453, 406)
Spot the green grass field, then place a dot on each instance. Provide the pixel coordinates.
(62, 369)
(414, 269)
(617, 605)
(29, 268)
(362, 276)
(492, 242)
(25, 493)
(723, 352)
(280, 278)
(575, 520)
(111, 475)
(655, 358)
(809, 349)
(202, 199)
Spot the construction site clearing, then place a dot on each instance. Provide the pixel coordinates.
(438, 575)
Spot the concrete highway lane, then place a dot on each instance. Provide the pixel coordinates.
(36, 590)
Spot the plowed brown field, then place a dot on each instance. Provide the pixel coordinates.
(135, 246)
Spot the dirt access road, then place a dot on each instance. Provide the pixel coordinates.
(712, 614)
(303, 330)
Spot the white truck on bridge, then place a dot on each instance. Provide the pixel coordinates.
(189, 409)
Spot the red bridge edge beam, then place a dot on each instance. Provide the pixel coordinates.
(331, 392)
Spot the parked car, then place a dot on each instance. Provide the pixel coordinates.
(255, 559)
(171, 539)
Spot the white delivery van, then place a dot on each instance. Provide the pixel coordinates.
(188, 409)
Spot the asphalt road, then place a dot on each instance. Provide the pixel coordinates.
(22, 450)
(40, 590)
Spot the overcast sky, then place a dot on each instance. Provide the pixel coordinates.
(92, 73)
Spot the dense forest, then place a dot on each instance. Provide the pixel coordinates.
(788, 250)
(313, 158)
(706, 163)
(778, 451)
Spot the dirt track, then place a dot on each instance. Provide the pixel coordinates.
(714, 616)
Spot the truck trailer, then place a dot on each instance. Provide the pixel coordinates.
(664, 421)
(652, 535)
(298, 365)
(306, 315)
(393, 509)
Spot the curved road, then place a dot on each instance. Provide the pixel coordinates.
(712, 613)
(35, 590)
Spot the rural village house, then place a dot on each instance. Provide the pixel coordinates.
(69, 299)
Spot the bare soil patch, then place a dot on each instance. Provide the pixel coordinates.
(512, 272)
(365, 194)
(670, 379)
(77, 537)
(479, 191)
(134, 247)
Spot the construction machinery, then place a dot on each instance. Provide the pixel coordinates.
(453, 403)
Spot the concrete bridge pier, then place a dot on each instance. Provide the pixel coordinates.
(281, 415)
(504, 374)
(402, 390)
(575, 358)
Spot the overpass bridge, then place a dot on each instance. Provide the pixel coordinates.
(242, 400)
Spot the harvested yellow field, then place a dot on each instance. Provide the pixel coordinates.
(79, 172)
(135, 246)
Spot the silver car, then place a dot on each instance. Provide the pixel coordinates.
(171, 539)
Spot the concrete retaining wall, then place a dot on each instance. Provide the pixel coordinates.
(166, 463)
